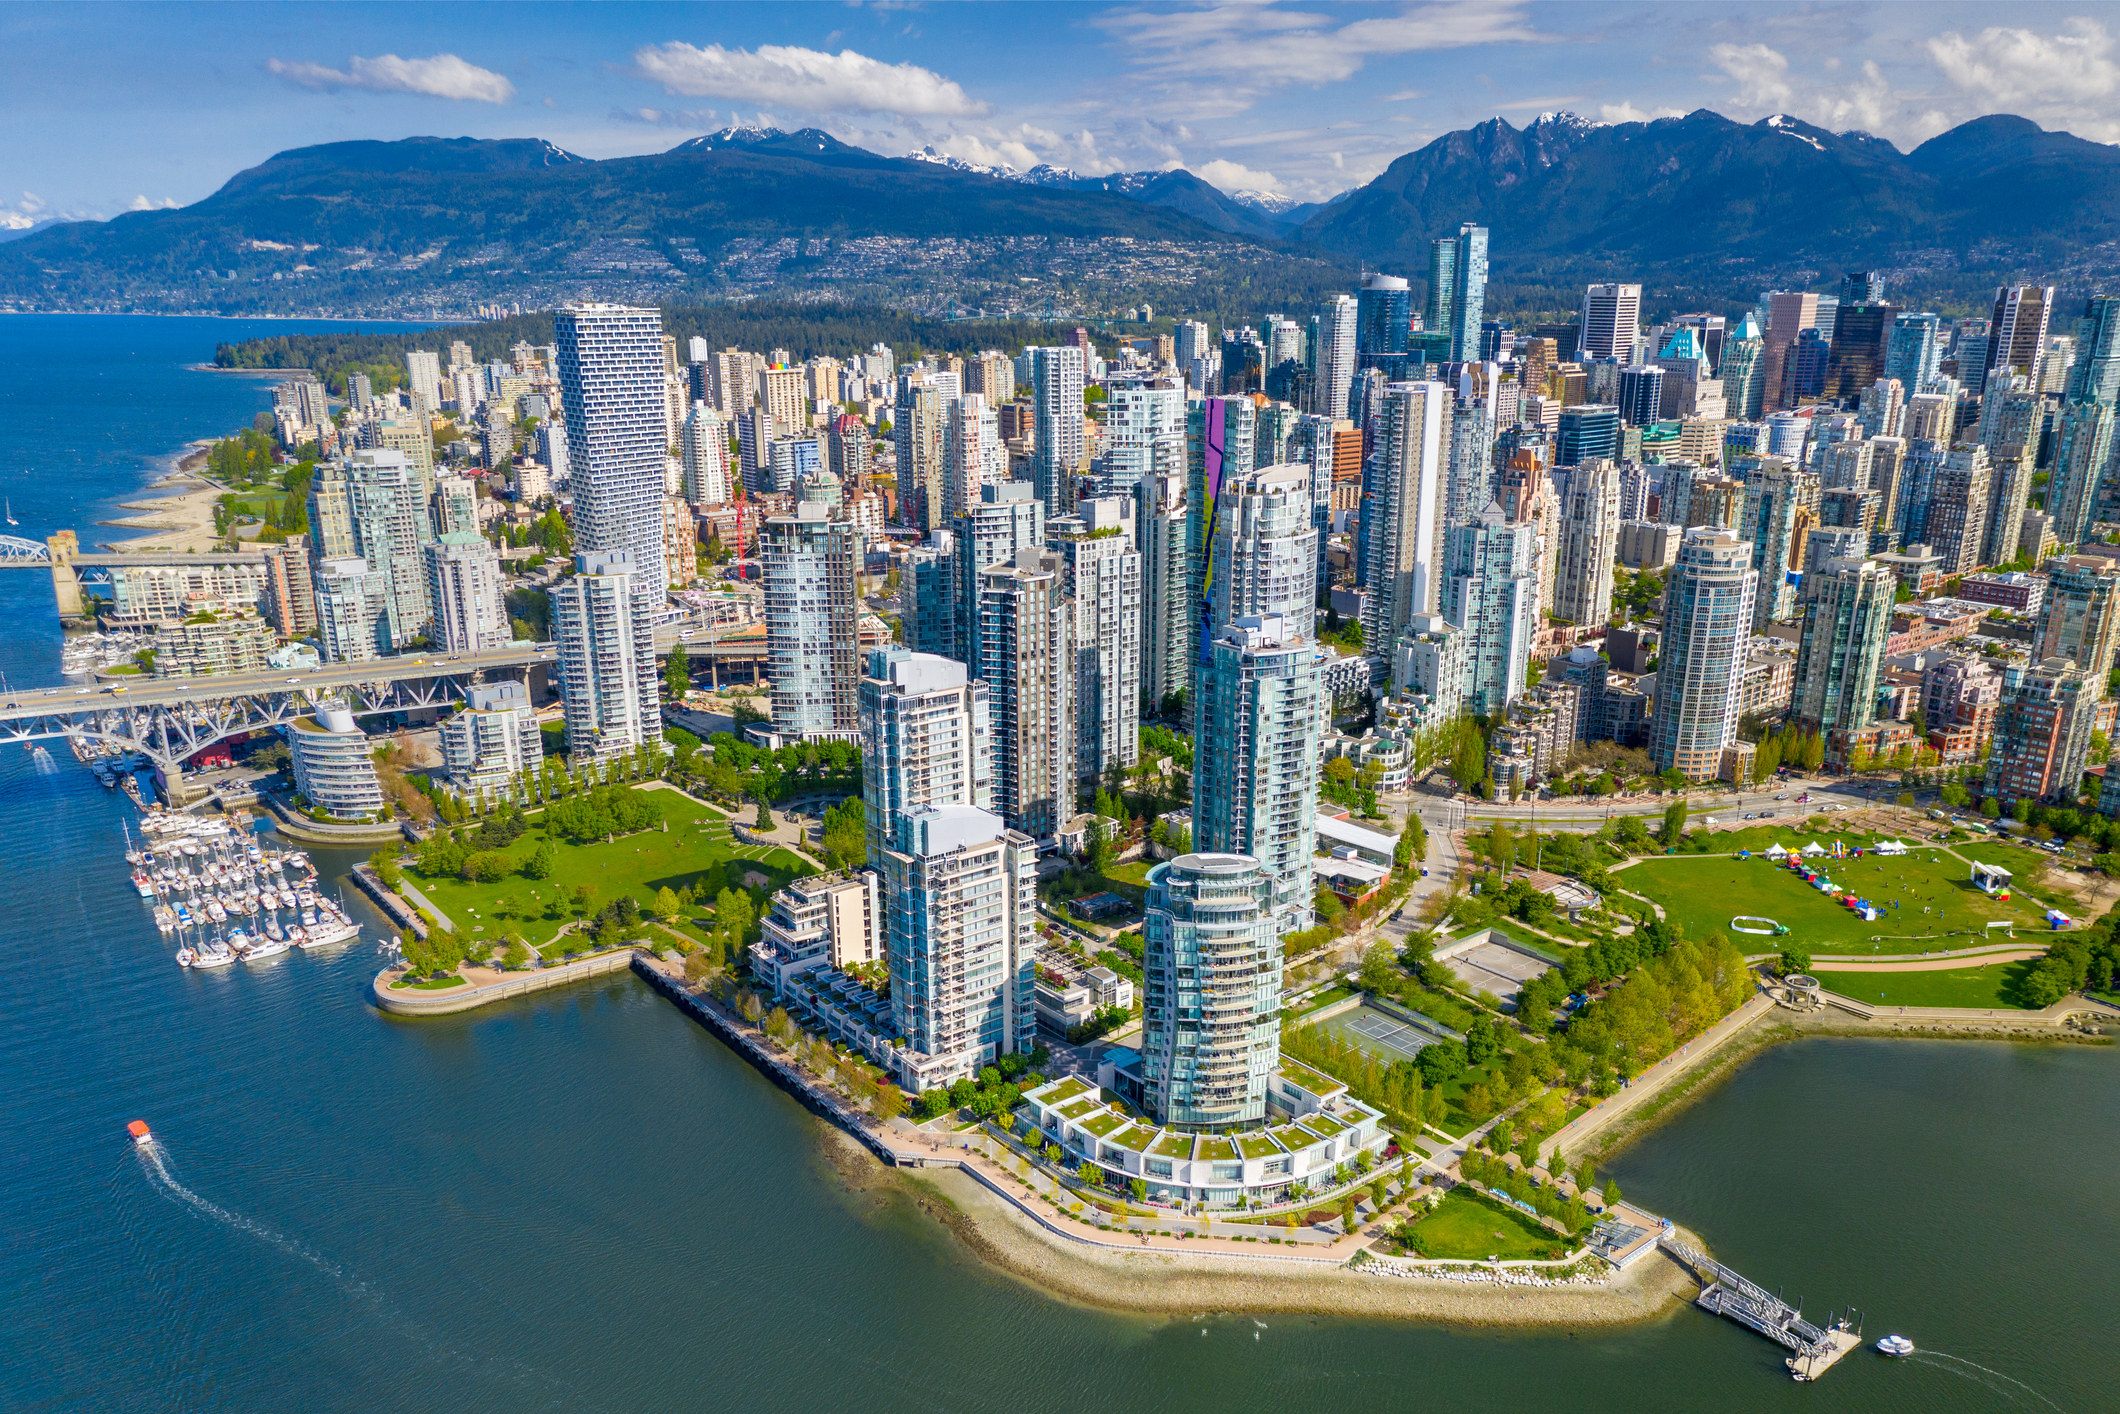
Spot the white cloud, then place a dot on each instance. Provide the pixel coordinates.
(693, 118)
(1762, 74)
(2018, 67)
(440, 76)
(1626, 112)
(1234, 176)
(141, 203)
(806, 80)
(23, 214)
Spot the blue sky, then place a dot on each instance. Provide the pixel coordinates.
(110, 107)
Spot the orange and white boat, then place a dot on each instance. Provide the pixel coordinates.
(138, 1130)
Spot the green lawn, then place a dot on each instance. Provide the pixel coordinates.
(1993, 986)
(696, 850)
(1704, 895)
(1464, 1226)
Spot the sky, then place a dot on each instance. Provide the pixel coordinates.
(113, 107)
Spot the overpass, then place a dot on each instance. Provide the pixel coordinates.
(170, 719)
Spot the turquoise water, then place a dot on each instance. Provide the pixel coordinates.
(580, 1201)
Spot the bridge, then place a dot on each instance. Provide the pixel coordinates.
(70, 568)
(1814, 1349)
(169, 719)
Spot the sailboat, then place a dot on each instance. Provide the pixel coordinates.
(11, 512)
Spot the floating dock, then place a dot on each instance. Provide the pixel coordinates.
(1813, 1349)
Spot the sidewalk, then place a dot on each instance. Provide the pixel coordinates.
(1573, 1138)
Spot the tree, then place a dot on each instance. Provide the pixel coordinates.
(1349, 1210)
(1413, 842)
(677, 673)
(542, 861)
(1379, 968)
(2021, 811)
(888, 1104)
(1501, 848)
(584, 895)
(1674, 823)
(1990, 808)
(1611, 1194)
(765, 815)
(1794, 962)
(1137, 1189)
(666, 905)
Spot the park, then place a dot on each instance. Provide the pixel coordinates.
(1720, 894)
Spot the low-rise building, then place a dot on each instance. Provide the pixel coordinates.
(214, 639)
(1065, 1002)
(334, 767)
(825, 921)
(1931, 622)
(2016, 591)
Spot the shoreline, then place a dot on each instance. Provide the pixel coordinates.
(1166, 1284)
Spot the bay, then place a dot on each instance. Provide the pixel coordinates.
(581, 1201)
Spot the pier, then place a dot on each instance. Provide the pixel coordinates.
(1813, 1349)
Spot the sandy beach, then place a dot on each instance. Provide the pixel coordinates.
(180, 519)
(1172, 1284)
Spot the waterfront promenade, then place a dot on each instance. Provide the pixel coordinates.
(483, 986)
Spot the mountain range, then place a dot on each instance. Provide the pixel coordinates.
(1701, 209)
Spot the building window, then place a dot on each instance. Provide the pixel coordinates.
(1159, 1168)
(1229, 1173)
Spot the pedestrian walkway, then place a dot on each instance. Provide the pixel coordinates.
(1574, 1138)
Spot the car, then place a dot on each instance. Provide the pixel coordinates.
(83, 691)
(295, 681)
(1783, 796)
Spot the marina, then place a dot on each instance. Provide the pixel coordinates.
(226, 897)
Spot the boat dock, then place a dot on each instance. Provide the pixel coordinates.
(1813, 1349)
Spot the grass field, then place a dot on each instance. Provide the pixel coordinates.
(697, 850)
(1703, 895)
(1994, 986)
(1472, 1228)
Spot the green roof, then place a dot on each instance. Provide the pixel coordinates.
(1213, 1146)
(1173, 1146)
(1137, 1138)
(1105, 1123)
(1060, 1091)
(1076, 1109)
(1323, 1125)
(1257, 1146)
(1293, 1137)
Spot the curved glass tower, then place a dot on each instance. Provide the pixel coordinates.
(1210, 1016)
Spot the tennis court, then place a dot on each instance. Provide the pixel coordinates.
(1387, 1033)
(1493, 968)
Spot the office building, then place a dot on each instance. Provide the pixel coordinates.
(495, 743)
(1846, 607)
(1261, 709)
(1741, 366)
(1914, 350)
(334, 764)
(1587, 430)
(1789, 314)
(1589, 544)
(1211, 996)
(1467, 306)
(1402, 511)
(1490, 594)
(1611, 322)
(1862, 332)
(1024, 652)
(1059, 450)
(812, 629)
(352, 612)
(2017, 332)
(1100, 576)
(1708, 617)
(1641, 395)
(1383, 319)
(2095, 375)
(609, 687)
(2079, 619)
(611, 368)
(464, 586)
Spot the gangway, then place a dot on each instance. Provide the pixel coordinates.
(1814, 1349)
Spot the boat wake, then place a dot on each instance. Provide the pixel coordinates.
(1925, 1356)
(45, 765)
(155, 1164)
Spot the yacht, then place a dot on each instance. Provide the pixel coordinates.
(1895, 1346)
(213, 952)
(261, 948)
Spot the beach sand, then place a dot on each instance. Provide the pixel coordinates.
(180, 520)
(1166, 1283)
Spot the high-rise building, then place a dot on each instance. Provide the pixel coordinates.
(1611, 321)
(1862, 330)
(1589, 544)
(372, 506)
(1166, 608)
(351, 614)
(1743, 372)
(812, 622)
(290, 600)
(423, 376)
(1882, 410)
(1847, 615)
(1789, 314)
(2080, 617)
(703, 448)
(494, 742)
(1468, 478)
(926, 741)
(1402, 512)
(1781, 506)
(1100, 576)
(972, 456)
(2017, 330)
(1958, 503)
(1265, 549)
(1384, 317)
(2010, 469)
(1219, 436)
(606, 642)
(1468, 297)
(1587, 430)
(1144, 435)
(2083, 444)
(1438, 316)
(1641, 395)
(1490, 595)
(2095, 376)
(1708, 616)
(611, 368)
(1059, 450)
(2043, 731)
(930, 595)
(464, 586)
(1024, 652)
(1913, 350)
(1008, 520)
(1333, 355)
(1212, 992)
(1261, 707)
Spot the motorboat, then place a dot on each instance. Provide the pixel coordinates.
(262, 948)
(138, 1128)
(1895, 1346)
(214, 953)
(187, 956)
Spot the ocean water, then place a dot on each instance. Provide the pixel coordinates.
(581, 1201)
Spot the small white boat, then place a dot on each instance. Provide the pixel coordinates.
(1895, 1346)
(214, 953)
(187, 957)
(262, 948)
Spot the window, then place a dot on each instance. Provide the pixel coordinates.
(1159, 1168)
(1229, 1173)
